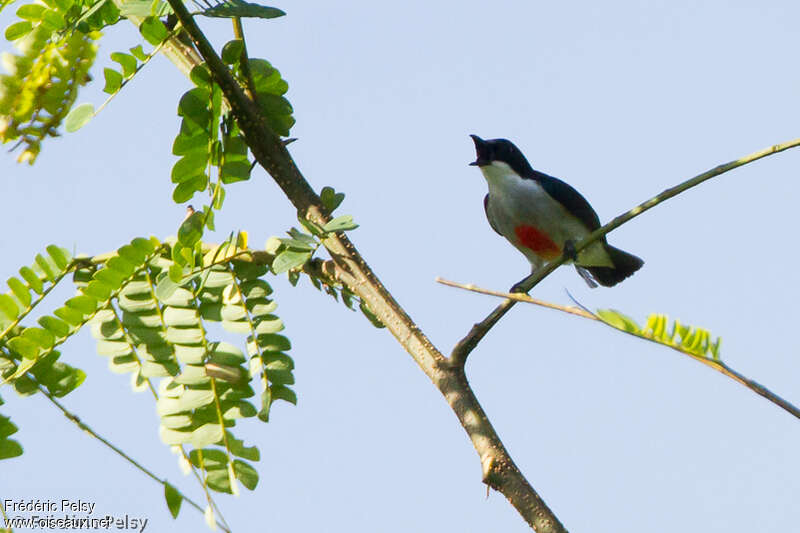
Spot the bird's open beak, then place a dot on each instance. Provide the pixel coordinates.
(480, 150)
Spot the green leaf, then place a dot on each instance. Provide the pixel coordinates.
(18, 30)
(281, 392)
(181, 316)
(194, 105)
(273, 343)
(78, 117)
(218, 480)
(224, 353)
(98, 290)
(302, 245)
(20, 291)
(206, 434)
(246, 474)
(83, 303)
(190, 399)
(8, 428)
(126, 61)
(9, 449)
(233, 171)
(330, 198)
(62, 379)
(232, 51)
(185, 335)
(341, 223)
(184, 191)
(153, 30)
(70, 316)
(174, 499)
(618, 320)
(268, 324)
(189, 166)
(47, 266)
(219, 198)
(201, 76)
(113, 80)
(240, 8)
(278, 361)
(59, 256)
(144, 8)
(266, 403)
(166, 287)
(138, 53)
(187, 144)
(53, 19)
(238, 449)
(43, 338)
(191, 230)
(32, 12)
(54, 325)
(288, 260)
(110, 277)
(8, 307)
(34, 282)
(255, 289)
(24, 347)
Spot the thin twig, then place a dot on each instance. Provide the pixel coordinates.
(463, 348)
(517, 296)
(717, 365)
(149, 473)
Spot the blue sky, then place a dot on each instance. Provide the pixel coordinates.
(622, 100)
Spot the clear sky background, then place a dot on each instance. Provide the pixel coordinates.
(620, 99)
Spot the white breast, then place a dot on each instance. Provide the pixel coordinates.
(514, 201)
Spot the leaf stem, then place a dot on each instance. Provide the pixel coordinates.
(244, 61)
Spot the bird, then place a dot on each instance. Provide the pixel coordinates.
(544, 217)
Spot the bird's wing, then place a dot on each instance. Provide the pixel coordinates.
(575, 203)
(486, 209)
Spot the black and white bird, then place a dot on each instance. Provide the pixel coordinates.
(540, 215)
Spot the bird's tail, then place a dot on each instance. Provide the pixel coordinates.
(625, 265)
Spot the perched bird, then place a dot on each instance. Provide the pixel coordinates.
(541, 215)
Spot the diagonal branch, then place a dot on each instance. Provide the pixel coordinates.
(715, 364)
(499, 470)
(463, 348)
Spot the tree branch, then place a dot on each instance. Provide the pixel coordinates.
(463, 348)
(715, 364)
(500, 472)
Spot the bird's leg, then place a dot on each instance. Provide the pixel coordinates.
(569, 251)
(517, 287)
(569, 255)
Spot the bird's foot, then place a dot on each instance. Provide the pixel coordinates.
(569, 251)
(517, 287)
(520, 285)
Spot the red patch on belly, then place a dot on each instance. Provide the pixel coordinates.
(538, 242)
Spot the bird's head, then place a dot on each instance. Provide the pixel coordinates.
(500, 153)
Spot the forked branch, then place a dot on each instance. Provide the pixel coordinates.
(500, 472)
